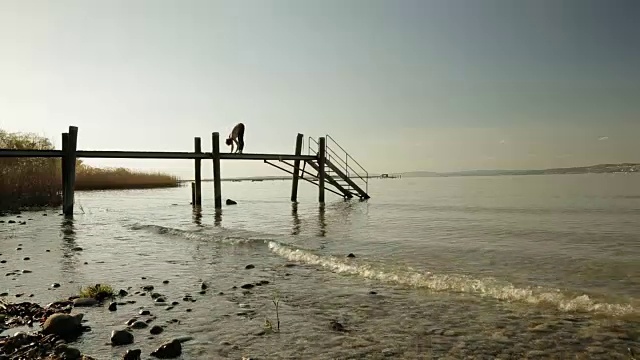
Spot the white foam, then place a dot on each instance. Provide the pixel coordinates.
(437, 282)
(454, 283)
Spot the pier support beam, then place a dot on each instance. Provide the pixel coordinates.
(296, 169)
(197, 201)
(215, 141)
(322, 156)
(69, 145)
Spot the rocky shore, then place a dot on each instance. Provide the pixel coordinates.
(48, 332)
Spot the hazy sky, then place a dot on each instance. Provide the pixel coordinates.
(403, 85)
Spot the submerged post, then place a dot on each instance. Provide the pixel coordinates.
(69, 170)
(197, 201)
(193, 194)
(321, 163)
(296, 169)
(216, 169)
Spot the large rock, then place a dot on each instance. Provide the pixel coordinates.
(121, 337)
(168, 350)
(63, 325)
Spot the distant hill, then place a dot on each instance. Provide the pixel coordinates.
(594, 169)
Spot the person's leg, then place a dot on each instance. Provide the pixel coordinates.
(241, 139)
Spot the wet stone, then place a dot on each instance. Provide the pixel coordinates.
(132, 354)
(113, 306)
(156, 330)
(121, 337)
(175, 303)
(139, 325)
(202, 292)
(250, 266)
(145, 312)
(165, 282)
(55, 285)
(247, 286)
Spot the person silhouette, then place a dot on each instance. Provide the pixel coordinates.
(236, 136)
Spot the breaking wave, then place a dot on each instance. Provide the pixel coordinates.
(486, 287)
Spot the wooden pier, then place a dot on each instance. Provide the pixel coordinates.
(331, 166)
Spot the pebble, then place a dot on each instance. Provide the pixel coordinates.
(247, 286)
(113, 306)
(145, 312)
(132, 354)
(168, 350)
(139, 325)
(204, 286)
(202, 292)
(26, 258)
(175, 303)
(156, 330)
(351, 255)
(250, 266)
(165, 282)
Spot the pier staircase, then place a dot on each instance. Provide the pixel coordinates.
(343, 175)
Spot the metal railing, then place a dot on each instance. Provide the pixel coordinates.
(339, 157)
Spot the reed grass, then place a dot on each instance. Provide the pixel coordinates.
(37, 182)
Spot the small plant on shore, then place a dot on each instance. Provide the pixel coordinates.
(267, 323)
(98, 292)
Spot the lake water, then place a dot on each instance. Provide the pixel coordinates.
(453, 268)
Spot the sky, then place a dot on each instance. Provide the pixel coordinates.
(403, 85)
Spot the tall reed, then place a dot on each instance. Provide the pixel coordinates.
(37, 182)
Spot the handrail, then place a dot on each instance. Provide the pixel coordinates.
(342, 161)
(354, 160)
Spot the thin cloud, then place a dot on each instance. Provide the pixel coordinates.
(603, 138)
(502, 141)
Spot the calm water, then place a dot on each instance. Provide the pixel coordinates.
(483, 267)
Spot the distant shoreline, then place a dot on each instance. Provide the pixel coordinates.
(624, 168)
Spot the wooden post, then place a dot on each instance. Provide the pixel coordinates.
(193, 194)
(216, 169)
(198, 176)
(296, 169)
(63, 165)
(321, 162)
(70, 171)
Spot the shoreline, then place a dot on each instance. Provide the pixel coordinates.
(229, 320)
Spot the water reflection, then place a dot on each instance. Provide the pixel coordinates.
(196, 215)
(322, 224)
(296, 219)
(69, 245)
(218, 217)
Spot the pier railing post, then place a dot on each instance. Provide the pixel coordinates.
(216, 170)
(321, 164)
(296, 168)
(63, 166)
(198, 173)
(69, 170)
